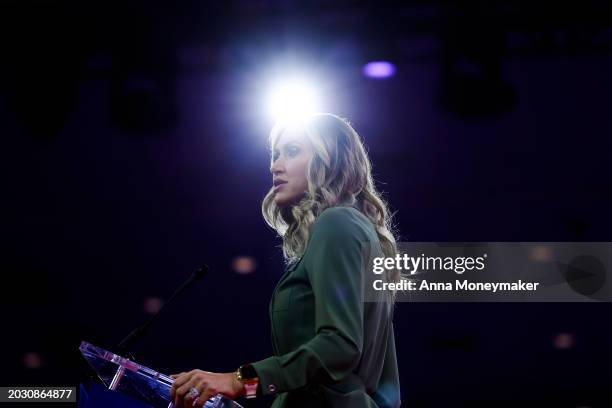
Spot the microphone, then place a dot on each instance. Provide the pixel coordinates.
(129, 340)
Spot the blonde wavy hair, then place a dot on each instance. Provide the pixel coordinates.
(339, 174)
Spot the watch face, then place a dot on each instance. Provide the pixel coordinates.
(247, 371)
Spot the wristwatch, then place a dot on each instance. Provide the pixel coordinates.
(247, 375)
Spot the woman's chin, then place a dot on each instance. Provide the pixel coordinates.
(281, 201)
(284, 200)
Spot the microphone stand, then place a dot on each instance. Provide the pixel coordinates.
(128, 341)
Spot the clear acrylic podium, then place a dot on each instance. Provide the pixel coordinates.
(137, 381)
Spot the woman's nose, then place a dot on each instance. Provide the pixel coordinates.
(276, 167)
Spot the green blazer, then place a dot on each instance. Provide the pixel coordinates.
(331, 349)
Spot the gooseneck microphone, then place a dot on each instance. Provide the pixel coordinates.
(124, 345)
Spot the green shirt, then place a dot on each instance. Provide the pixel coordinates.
(331, 348)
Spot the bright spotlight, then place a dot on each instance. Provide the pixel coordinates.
(292, 100)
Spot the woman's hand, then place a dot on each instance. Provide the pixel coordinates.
(208, 384)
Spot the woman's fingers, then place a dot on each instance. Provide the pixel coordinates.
(181, 390)
(211, 384)
(175, 376)
(182, 378)
(204, 394)
(179, 380)
(207, 384)
(190, 400)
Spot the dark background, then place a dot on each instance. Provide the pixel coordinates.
(135, 149)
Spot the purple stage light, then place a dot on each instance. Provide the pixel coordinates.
(379, 69)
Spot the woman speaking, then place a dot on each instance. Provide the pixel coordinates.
(331, 347)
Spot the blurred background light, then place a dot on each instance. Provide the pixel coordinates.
(379, 69)
(32, 360)
(152, 305)
(564, 341)
(244, 264)
(541, 253)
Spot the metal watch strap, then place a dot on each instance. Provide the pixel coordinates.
(250, 386)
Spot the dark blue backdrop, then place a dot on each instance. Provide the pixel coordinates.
(134, 151)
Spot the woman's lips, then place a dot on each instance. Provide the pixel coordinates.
(279, 186)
